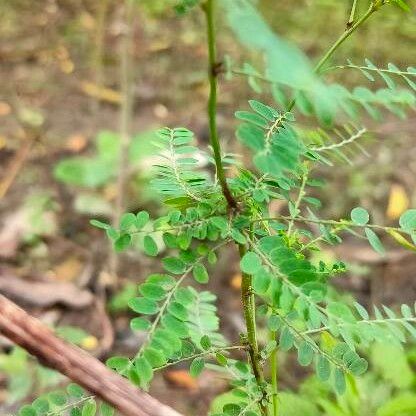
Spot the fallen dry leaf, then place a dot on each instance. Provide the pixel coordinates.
(102, 93)
(76, 142)
(43, 293)
(5, 109)
(182, 379)
(235, 282)
(68, 270)
(398, 202)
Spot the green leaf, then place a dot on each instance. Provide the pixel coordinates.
(323, 368)
(122, 242)
(205, 342)
(152, 291)
(362, 311)
(178, 311)
(273, 323)
(358, 366)
(360, 216)
(74, 390)
(100, 224)
(200, 273)
(106, 409)
(150, 246)
(57, 398)
(197, 366)
(174, 265)
(41, 405)
(237, 236)
(305, 354)
(402, 5)
(407, 220)
(154, 357)
(339, 381)
(286, 339)
(139, 324)
(143, 369)
(142, 218)
(269, 113)
(118, 363)
(374, 241)
(127, 220)
(89, 408)
(261, 281)
(250, 263)
(175, 325)
(144, 306)
(27, 410)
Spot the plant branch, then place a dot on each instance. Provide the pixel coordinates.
(352, 14)
(347, 33)
(202, 354)
(344, 223)
(37, 339)
(209, 9)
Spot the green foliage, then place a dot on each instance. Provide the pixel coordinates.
(282, 286)
(93, 172)
(71, 401)
(269, 135)
(291, 75)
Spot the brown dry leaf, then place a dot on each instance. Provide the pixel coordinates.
(102, 93)
(67, 66)
(76, 142)
(87, 21)
(235, 282)
(398, 202)
(3, 142)
(182, 379)
(43, 293)
(68, 270)
(5, 109)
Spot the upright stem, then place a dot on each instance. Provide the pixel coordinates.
(125, 119)
(102, 8)
(249, 308)
(273, 370)
(126, 106)
(247, 296)
(209, 9)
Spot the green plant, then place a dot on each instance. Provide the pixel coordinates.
(89, 175)
(281, 287)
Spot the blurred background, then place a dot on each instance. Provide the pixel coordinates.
(78, 75)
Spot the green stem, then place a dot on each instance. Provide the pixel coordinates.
(374, 6)
(352, 14)
(209, 9)
(350, 30)
(247, 299)
(126, 113)
(273, 370)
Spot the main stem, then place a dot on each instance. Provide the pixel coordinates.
(125, 121)
(273, 371)
(249, 308)
(247, 296)
(209, 9)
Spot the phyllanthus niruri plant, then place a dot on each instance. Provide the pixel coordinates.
(281, 288)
